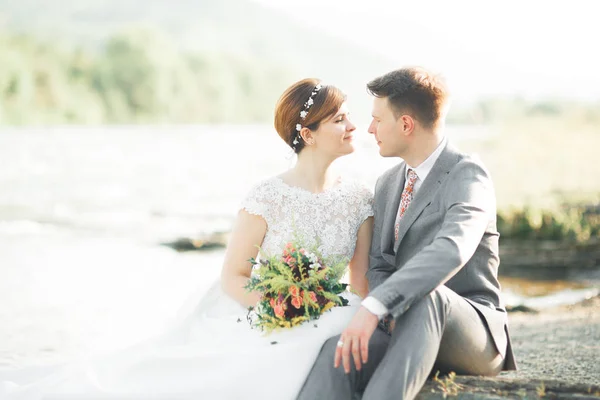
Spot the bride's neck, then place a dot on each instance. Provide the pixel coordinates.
(312, 172)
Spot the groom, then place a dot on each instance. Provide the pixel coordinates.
(434, 301)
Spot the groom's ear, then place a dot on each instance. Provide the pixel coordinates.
(406, 124)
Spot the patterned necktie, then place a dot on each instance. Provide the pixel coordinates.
(407, 195)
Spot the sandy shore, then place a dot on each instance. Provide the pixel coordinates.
(561, 343)
(558, 352)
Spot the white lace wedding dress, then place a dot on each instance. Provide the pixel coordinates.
(213, 353)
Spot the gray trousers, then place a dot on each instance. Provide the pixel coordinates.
(440, 332)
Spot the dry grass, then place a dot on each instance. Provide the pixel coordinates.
(542, 162)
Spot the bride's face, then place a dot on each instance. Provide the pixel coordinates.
(335, 135)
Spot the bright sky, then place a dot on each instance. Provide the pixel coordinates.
(527, 47)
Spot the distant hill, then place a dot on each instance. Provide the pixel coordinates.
(238, 27)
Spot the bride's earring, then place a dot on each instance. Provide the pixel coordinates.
(308, 142)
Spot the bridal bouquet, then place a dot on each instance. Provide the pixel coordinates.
(296, 286)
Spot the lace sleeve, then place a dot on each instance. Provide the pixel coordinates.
(259, 202)
(365, 204)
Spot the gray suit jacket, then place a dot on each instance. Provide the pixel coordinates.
(447, 237)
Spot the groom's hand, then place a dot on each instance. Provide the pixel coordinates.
(355, 340)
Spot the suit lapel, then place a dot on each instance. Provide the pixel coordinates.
(423, 197)
(392, 202)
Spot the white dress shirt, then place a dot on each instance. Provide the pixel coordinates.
(422, 170)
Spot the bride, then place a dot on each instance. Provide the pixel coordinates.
(213, 353)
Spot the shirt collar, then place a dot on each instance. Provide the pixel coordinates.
(425, 167)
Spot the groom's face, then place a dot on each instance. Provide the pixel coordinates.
(384, 127)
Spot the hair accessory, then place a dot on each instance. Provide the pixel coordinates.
(304, 112)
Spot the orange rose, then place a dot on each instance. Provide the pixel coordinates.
(294, 291)
(279, 312)
(313, 296)
(297, 302)
(290, 247)
(290, 260)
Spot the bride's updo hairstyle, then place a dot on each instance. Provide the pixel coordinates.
(296, 102)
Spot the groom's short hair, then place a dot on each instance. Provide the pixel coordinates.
(414, 91)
